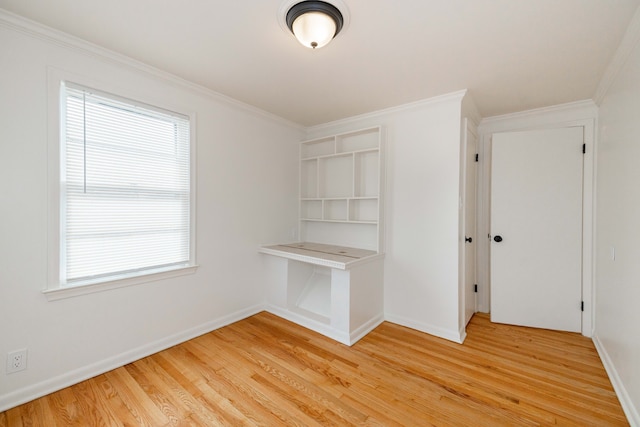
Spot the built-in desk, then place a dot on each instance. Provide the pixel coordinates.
(334, 290)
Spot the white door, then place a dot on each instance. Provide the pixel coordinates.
(470, 226)
(536, 228)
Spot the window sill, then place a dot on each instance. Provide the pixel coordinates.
(84, 289)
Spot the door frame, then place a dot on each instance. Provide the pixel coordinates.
(468, 127)
(584, 114)
(468, 123)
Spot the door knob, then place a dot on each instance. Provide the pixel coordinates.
(497, 239)
(468, 239)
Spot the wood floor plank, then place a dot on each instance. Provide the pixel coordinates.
(197, 378)
(64, 407)
(496, 391)
(190, 405)
(134, 397)
(107, 395)
(241, 358)
(291, 378)
(159, 395)
(92, 405)
(237, 380)
(266, 371)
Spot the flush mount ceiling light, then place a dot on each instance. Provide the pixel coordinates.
(314, 23)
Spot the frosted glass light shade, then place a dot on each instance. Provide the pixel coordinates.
(314, 29)
(314, 23)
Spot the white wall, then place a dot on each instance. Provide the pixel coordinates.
(246, 195)
(421, 210)
(618, 229)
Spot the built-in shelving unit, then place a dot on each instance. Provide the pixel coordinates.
(332, 280)
(340, 183)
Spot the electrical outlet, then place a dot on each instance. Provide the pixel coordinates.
(17, 361)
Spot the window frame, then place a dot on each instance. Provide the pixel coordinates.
(54, 289)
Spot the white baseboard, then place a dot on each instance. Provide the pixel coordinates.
(325, 329)
(34, 391)
(366, 328)
(307, 322)
(625, 400)
(451, 335)
(462, 334)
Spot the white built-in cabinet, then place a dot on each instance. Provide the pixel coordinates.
(340, 190)
(332, 280)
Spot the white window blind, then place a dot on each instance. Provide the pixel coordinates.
(125, 188)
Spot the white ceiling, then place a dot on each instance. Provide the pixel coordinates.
(512, 55)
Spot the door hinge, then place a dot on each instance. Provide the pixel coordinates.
(581, 305)
(476, 157)
(475, 288)
(584, 148)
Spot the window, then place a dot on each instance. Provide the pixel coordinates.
(124, 189)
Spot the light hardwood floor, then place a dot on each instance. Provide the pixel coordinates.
(266, 371)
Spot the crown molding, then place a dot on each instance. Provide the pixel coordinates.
(571, 111)
(628, 43)
(47, 34)
(453, 96)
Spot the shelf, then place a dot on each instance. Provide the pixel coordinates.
(340, 221)
(309, 179)
(346, 209)
(366, 174)
(340, 189)
(363, 210)
(335, 176)
(313, 199)
(335, 210)
(321, 147)
(350, 142)
(356, 141)
(328, 156)
(311, 209)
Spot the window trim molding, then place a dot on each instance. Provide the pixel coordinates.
(53, 289)
(89, 288)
